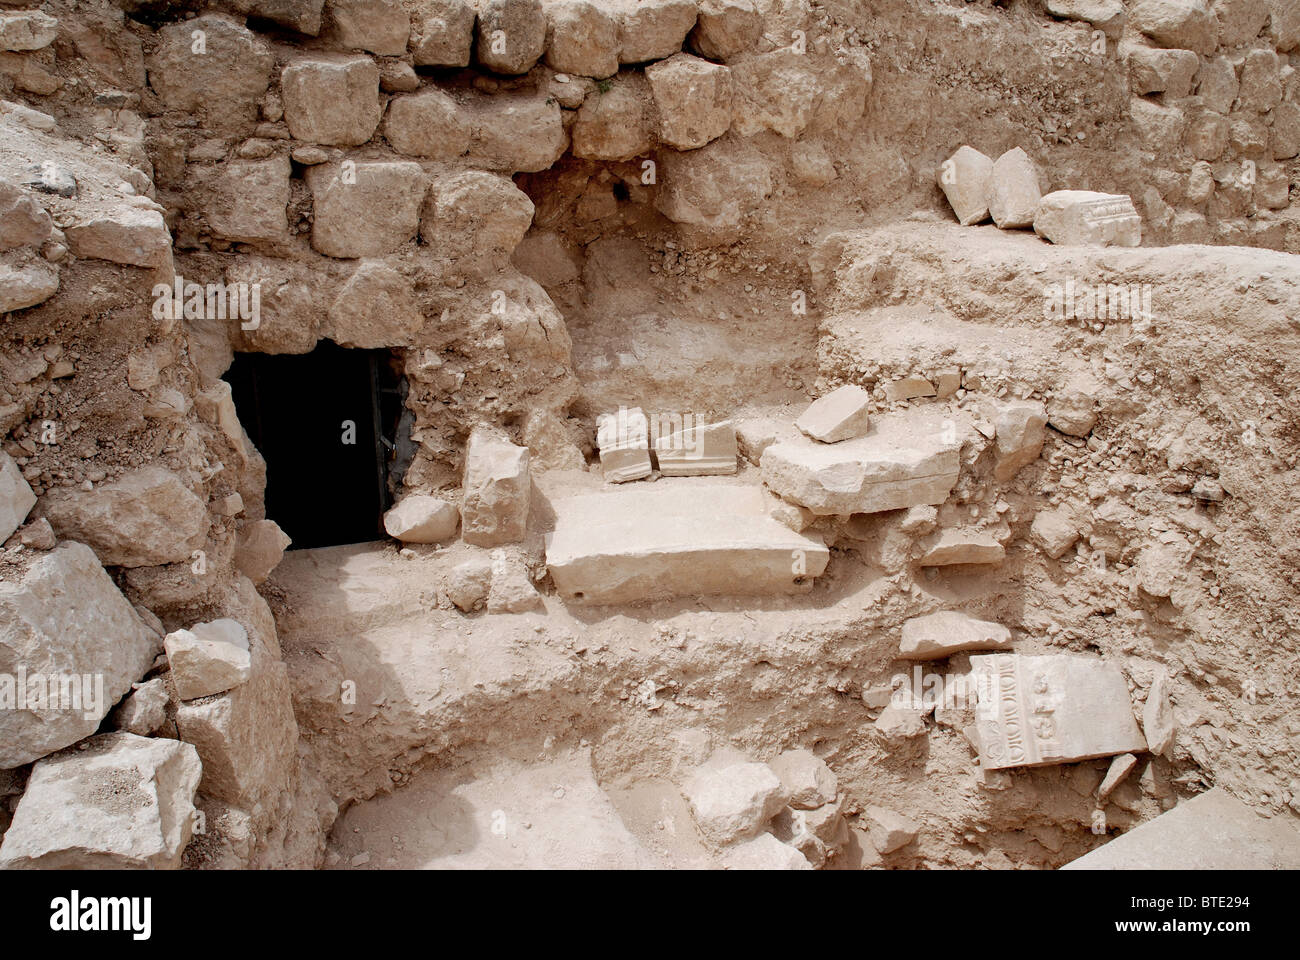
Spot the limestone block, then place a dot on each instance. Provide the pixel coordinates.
(1054, 531)
(966, 178)
(442, 33)
(367, 212)
(303, 16)
(476, 216)
(1159, 724)
(16, 497)
(144, 711)
(726, 28)
(259, 549)
(498, 488)
(375, 308)
(618, 124)
(26, 281)
(332, 100)
(379, 26)
(422, 519)
(764, 852)
(1013, 190)
(714, 188)
(24, 30)
(247, 200)
(1184, 24)
(704, 449)
(427, 124)
(1076, 217)
(515, 133)
(469, 582)
(511, 590)
(693, 97)
(653, 29)
(130, 235)
(963, 546)
(1162, 71)
(842, 414)
(224, 84)
(942, 634)
(1021, 431)
(623, 441)
(734, 802)
(889, 830)
(23, 221)
(806, 780)
(511, 35)
(209, 658)
(583, 39)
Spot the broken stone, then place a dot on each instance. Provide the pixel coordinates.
(1162, 71)
(806, 780)
(209, 658)
(764, 852)
(469, 582)
(50, 177)
(511, 35)
(963, 546)
(23, 221)
(16, 497)
(942, 634)
(1072, 412)
(653, 29)
(1054, 531)
(134, 236)
(303, 16)
(1075, 217)
(64, 625)
(27, 30)
(497, 488)
(1021, 431)
(693, 97)
(1159, 724)
(906, 461)
(381, 26)
(38, 535)
(1013, 190)
(890, 831)
(966, 178)
(1033, 711)
(734, 802)
(427, 124)
(442, 33)
(777, 91)
(369, 211)
(714, 188)
(259, 549)
(617, 124)
(842, 414)
(1214, 831)
(1104, 14)
(331, 100)
(511, 590)
(422, 519)
(1119, 768)
(27, 285)
(225, 84)
(623, 440)
(375, 308)
(698, 451)
(663, 541)
(583, 39)
(726, 28)
(1184, 24)
(900, 722)
(909, 388)
(792, 515)
(147, 517)
(395, 76)
(124, 802)
(144, 711)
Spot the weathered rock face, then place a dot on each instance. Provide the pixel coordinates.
(1013, 190)
(64, 625)
(331, 100)
(442, 33)
(906, 461)
(224, 83)
(511, 35)
(653, 29)
(941, 634)
(64, 823)
(726, 28)
(693, 97)
(422, 519)
(618, 124)
(259, 549)
(474, 216)
(1034, 711)
(366, 212)
(148, 517)
(16, 497)
(427, 124)
(1082, 216)
(714, 188)
(842, 414)
(583, 39)
(375, 308)
(734, 802)
(498, 490)
(380, 26)
(208, 658)
(247, 200)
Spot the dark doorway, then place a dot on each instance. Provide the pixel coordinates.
(326, 422)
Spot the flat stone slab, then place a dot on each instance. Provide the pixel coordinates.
(1034, 711)
(840, 415)
(941, 634)
(676, 539)
(1214, 831)
(905, 461)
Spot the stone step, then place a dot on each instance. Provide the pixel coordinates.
(678, 538)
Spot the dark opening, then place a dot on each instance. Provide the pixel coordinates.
(328, 424)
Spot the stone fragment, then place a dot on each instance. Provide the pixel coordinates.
(726, 28)
(1013, 190)
(124, 802)
(764, 852)
(259, 549)
(224, 84)
(332, 100)
(442, 33)
(1119, 768)
(511, 35)
(1162, 71)
(66, 634)
(145, 518)
(806, 780)
(497, 490)
(897, 722)
(907, 460)
(777, 91)
(1240, 21)
(16, 497)
(963, 546)
(653, 29)
(1285, 24)
(379, 26)
(427, 124)
(734, 802)
(703, 539)
(1261, 86)
(1033, 710)
(376, 308)
(618, 123)
(1214, 831)
(1107, 15)
(1216, 84)
(693, 97)
(942, 634)
(476, 216)
(512, 590)
(909, 388)
(395, 76)
(890, 831)
(842, 414)
(1183, 24)
(133, 236)
(38, 535)
(247, 200)
(1076, 217)
(24, 30)
(1158, 722)
(303, 16)
(50, 177)
(700, 450)
(23, 221)
(516, 133)
(713, 189)
(1072, 411)
(209, 658)
(1054, 531)
(623, 441)
(583, 39)
(144, 710)
(1021, 431)
(966, 179)
(469, 582)
(422, 519)
(27, 284)
(367, 211)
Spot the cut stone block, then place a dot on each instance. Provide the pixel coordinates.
(907, 460)
(734, 802)
(676, 539)
(511, 35)
(332, 100)
(366, 211)
(941, 634)
(16, 497)
(583, 39)
(1033, 711)
(698, 451)
(442, 33)
(1076, 217)
(965, 178)
(694, 98)
(842, 414)
(623, 440)
(1013, 190)
(498, 489)
(208, 659)
(124, 802)
(64, 625)
(653, 29)
(1214, 831)
(422, 519)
